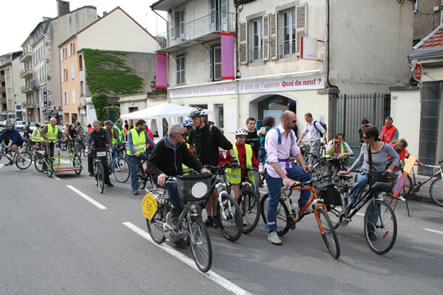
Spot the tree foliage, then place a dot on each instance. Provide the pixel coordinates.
(100, 101)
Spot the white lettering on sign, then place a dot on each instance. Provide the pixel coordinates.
(250, 86)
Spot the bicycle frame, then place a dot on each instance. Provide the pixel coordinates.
(416, 185)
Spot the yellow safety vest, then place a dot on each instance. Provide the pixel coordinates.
(36, 137)
(120, 133)
(114, 140)
(138, 141)
(185, 168)
(234, 174)
(52, 133)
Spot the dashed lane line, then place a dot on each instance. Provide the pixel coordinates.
(86, 197)
(433, 231)
(218, 279)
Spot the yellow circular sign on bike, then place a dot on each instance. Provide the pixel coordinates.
(149, 206)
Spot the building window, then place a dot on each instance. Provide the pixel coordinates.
(257, 39)
(288, 31)
(179, 24)
(66, 98)
(215, 63)
(82, 93)
(80, 62)
(180, 61)
(61, 54)
(72, 72)
(74, 100)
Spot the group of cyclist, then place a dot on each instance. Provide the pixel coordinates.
(195, 143)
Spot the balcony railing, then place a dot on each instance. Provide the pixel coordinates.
(2, 89)
(26, 55)
(2, 78)
(197, 31)
(35, 84)
(25, 72)
(26, 88)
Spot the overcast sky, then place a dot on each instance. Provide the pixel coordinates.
(19, 17)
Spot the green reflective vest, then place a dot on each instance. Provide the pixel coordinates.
(120, 132)
(138, 141)
(114, 140)
(234, 174)
(52, 133)
(36, 137)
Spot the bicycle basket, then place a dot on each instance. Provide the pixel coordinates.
(194, 187)
(330, 195)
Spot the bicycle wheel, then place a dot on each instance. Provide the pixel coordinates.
(141, 181)
(100, 177)
(319, 168)
(229, 217)
(49, 167)
(380, 227)
(38, 161)
(327, 232)
(200, 244)
(121, 170)
(155, 226)
(436, 191)
(23, 160)
(77, 163)
(282, 218)
(250, 206)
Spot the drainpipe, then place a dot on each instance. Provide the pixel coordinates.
(329, 84)
(237, 66)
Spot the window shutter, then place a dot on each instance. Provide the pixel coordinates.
(243, 43)
(273, 42)
(266, 37)
(301, 18)
(211, 63)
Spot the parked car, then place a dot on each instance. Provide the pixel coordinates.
(3, 123)
(20, 125)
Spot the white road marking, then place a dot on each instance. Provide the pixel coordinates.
(360, 214)
(433, 231)
(86, 197)
(218, 279)
(56, 178)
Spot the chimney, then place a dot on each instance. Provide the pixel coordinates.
(62, 7)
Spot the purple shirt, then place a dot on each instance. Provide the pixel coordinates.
(278, 152)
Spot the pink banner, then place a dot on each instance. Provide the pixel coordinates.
(161, 70)
(227, 56)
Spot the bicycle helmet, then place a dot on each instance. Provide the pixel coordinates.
(196, 112)
(187, 123)
(109, 122)
(241, 132)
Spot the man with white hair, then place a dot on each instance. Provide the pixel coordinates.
(166, 160)
(50, 134)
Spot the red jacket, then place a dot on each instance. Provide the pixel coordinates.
(150, 135)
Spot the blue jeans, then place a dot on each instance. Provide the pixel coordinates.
(171, 187)
(133, 166)
(359, 185)
(274, 189)
(114, 156)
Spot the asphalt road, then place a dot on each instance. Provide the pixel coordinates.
(53, 241)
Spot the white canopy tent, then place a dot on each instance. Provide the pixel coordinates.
(160, 112)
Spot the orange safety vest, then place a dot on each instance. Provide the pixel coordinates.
(387, 134)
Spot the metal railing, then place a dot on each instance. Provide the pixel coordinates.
(212, 23)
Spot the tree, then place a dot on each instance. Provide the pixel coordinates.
(100, 101)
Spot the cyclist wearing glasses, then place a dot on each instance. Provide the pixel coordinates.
(166, 160)
(137, 138)
(280, 143)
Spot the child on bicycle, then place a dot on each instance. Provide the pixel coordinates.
(246, 158)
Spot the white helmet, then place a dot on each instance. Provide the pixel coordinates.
(241, 131)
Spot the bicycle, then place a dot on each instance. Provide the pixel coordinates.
(120, 168)
(22, 160)
(99, 170)
(249, 201)
(192, 189)
(379, 216)
(436, 188)
(288, 214)
(144, 178)
(229, 215)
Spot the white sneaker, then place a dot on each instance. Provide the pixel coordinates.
(379, 198)
(401, 198)
(245, 222)
(273, 238)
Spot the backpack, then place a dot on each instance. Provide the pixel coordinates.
(194, 134)
(323, 124)
(279, 142)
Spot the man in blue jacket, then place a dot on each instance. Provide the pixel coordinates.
(15, 138)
